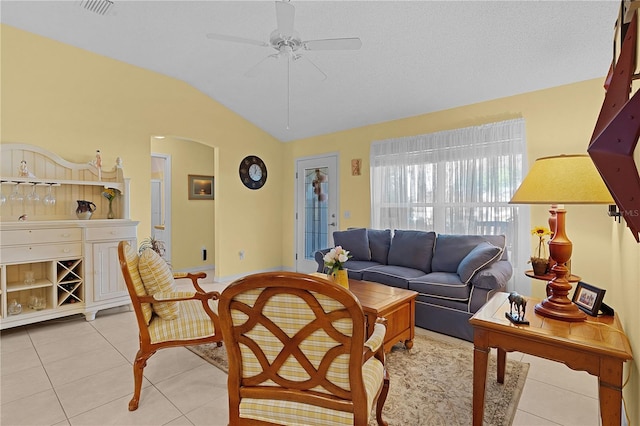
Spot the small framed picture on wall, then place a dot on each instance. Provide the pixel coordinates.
(200, 187)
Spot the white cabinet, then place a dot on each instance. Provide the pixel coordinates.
(53, 264)
(78, 274)
(101, 248)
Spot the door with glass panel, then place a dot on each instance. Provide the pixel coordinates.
(316, 208)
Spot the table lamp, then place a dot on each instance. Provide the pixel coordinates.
(558, 180)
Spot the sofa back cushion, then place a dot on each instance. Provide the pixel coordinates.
(482, 255)
(451, 249)
(355, 241)
(379, 243)
(412, 249)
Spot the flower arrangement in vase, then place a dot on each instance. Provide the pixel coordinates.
(110, 194)
(334, 263)
(540, 260)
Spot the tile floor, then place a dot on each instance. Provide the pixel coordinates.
(73, 372)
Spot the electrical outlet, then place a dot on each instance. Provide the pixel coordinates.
(241, 254)
(204, 254)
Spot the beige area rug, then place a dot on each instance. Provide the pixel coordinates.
(432, 384)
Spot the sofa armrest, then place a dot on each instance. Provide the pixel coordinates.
(319, 257)
(493, 277)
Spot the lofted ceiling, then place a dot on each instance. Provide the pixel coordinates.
(416, 56)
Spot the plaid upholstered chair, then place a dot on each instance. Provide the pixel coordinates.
(166, 318)
(298, 353)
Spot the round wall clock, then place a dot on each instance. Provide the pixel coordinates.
(253, 172)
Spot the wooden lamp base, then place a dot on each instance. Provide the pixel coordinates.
(558, 305)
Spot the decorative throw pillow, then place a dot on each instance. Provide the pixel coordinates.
(158, 278)
(132, 264)
(412, 249)
(355, 241)
(483, 255)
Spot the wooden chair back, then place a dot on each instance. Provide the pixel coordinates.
(294, 337)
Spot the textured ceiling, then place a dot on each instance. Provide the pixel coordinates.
(416, 56)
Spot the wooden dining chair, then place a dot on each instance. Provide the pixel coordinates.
(298, 353)
(166, 317)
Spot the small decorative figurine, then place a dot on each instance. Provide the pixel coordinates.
(520, 304)
(97, 163)
(23, 170)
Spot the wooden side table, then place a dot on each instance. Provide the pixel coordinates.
(597, 346)
(397, 305)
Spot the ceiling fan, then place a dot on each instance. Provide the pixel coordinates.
(289, 45)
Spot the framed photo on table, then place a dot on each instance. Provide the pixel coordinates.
(200, 187)
(588, 298)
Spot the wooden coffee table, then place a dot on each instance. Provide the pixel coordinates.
(397, 305)
(597, 346)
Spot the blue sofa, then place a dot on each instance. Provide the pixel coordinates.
(454, 275)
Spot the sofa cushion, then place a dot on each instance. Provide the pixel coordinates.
(355, 241)
(442, 285)
(451, 249)
(412, 249)
(379, 243)
(355, 268)
(395, 276)
(158, 278)
(481, 256)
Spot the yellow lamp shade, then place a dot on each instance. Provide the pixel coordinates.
(563, 179)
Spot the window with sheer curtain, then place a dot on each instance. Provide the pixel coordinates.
(455, 182)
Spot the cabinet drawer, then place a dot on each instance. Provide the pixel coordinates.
(33, 236)
(111, 233)
(40, 252)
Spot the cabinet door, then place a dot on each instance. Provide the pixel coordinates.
(107, 278)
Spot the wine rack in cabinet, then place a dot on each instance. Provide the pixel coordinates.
(69, 281)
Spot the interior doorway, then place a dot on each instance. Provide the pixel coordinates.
(161, 201)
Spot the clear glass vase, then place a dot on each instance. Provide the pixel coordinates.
(110, 215)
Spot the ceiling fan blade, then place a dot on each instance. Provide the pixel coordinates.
(353, 43)
(321, 75)
(234, 39)
(285, 13)
(255, 70)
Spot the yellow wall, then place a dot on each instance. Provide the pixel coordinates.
(192, 221)
(558, 121)
(73, 102)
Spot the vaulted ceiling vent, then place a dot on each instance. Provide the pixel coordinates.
(101, 7)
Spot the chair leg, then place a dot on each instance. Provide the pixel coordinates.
(382, 398)
(138, 368)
